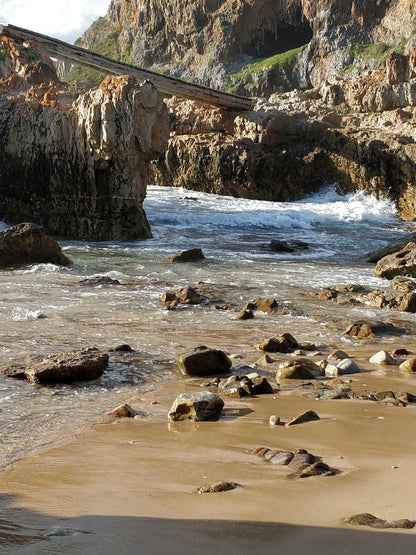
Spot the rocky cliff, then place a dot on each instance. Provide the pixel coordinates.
(255, 47)
(75, 164)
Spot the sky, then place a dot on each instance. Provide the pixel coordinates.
(62, 19)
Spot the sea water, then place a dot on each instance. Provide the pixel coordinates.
(45, 310)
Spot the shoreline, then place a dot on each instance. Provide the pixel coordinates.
(146, 471)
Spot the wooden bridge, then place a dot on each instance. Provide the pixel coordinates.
(83, 57)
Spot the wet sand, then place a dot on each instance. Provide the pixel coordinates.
(130, 485)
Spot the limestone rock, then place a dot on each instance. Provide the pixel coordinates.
(85, 364)
(218, 487)
(401, 263)
(307, 416)
(190, 255)
(196, 406)
(342, 367)
(203, 362)
(28, 243)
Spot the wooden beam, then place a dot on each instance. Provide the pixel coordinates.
(80, 56)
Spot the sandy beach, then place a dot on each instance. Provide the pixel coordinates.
(131, 484)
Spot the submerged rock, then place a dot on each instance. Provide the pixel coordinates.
(202, 362)
(85, 364)
(122, 411)
(99, 281)
(190, 255)
(284, 343)
(28, 243)
(302, 463)
(196, 406)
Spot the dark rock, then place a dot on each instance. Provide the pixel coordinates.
(282, 458)
(307, 416)
(123, 411)
(218, 487)
(301, 460)
(124, 348)
(328, 393)
(86, 364)
(281, 344)
(245, 314)
(204, 362)
(190, 255)
(400, 352)
(99, 281)
(367, 519)
(27, 243)
(261, 386)
(196, 406)
(401, 263)
(280, 246)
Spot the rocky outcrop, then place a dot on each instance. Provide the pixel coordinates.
(255, 47)
(75, 164)
(400, 263)
(27, 243)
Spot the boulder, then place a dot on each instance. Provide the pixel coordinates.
(408, 365)
(27, 243)
(400, 263)
(342, 367)
(294, 372)
(280, 344)
(245, 314)
(190, 255)
(307, 416)
(383, 357)
(85, 364)
(198, 406)
(403, 284)
(202, 362)
(263, 305)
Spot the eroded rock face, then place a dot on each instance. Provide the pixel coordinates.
(77, 165)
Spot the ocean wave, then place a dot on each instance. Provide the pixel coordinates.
(166, 206)
(20, 313)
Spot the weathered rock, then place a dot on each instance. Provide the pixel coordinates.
(99, 281)
(196, 406)
(124, 348)
(316, 469)
(287, 246)
(365, 329)
(263, 305)
(337, 355)
(382, 357)
(81, 162)
(367, 519)
(307, 416)
(261, 386)
(264, 360)
(123, 411)
(218, 487)
(301, 460)
(203, 362)
(403, 284)
(86, 364)
(184, 296)
(281, 458)
(408, 365)
(280, 344)
(28, 243)
(401, 263)
(190, 255)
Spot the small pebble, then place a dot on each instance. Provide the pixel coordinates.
(274, 420)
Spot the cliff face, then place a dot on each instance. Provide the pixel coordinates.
(77, 165)
(254, 46)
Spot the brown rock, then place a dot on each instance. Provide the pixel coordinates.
(28, 243)
(190, 255)
(364, 330)
(316, 469)
(367, 519)
(86, 364)
(245, 314)
(265, 305)
(400, 263)
(294, 372)
(408, 365)
(307, 416)
(301, 460)
(203, 361)
(218, 487)
(281, 344)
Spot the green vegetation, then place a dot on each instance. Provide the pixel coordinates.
(126, 57)
(87, 78)
(284, 61)
(32, 55)
(368, 52)
(3, 54)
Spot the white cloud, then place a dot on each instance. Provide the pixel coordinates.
(63, 19)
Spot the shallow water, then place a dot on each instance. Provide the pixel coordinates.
(44, 309)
